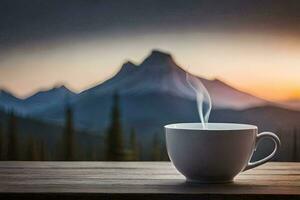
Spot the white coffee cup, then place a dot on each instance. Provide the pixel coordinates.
(217, 153)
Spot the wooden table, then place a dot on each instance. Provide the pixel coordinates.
(139, 180)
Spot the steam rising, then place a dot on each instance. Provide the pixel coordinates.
(202, 97)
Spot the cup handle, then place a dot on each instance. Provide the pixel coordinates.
(259, 138)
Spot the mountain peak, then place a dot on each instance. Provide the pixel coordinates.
(56, 88)
(158, 53)
(60, 87)
(159, 61)
(159, 56)
(128, 63)
(42, 95)
(127, 67)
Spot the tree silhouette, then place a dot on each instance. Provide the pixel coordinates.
(156, 149)
(68, 144)
(12, 140)
(294, 152)
(1, 141)
(42, 150)
(32, 152)
(57, 153)
(133, 146)
(115, 150)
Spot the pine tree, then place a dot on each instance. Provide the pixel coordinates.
(294, 153)
(32, 153)
(156, 151)
(12, 140)
(29, 149)
(140, 150)
(68, 144)
(115, 150)
(42, 150)
(1, 142)
(57, 153)
(133, 146)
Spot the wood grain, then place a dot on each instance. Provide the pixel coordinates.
(150, 180)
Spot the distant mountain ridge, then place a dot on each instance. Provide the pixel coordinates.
(152, 94)
(57, 91)
(156, 85)
(8, 100)
(293, 104)
(159, 72)
(38, 101)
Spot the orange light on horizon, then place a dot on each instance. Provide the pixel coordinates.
(264, 65)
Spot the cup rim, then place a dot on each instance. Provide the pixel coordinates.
(211, 126)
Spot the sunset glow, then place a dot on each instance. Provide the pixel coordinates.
(100, 80)
(262, 64)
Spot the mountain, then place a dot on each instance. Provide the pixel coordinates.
(40, 100)
(159, 73)
(293, 104)
(57, 94)
(8, 100)
(48, 98)
(153, 92)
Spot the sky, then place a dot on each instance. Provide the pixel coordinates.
(251, 45)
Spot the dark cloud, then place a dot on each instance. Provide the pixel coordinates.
(24, 22)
